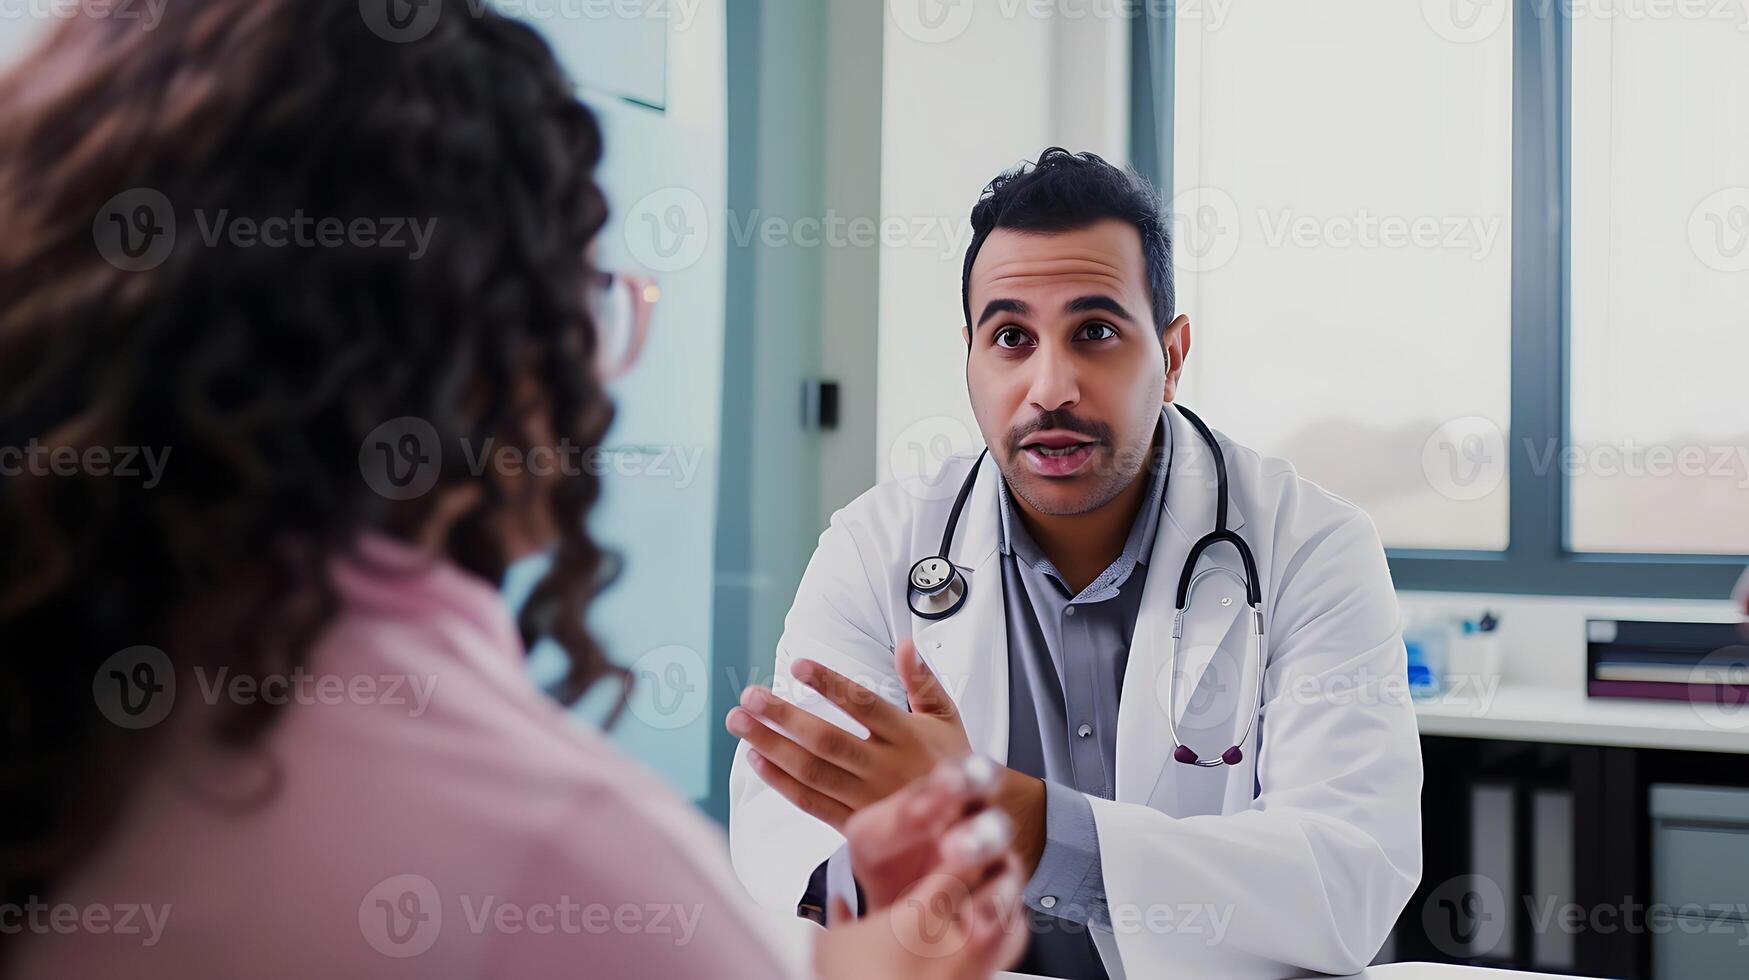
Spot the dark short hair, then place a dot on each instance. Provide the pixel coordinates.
(1065, 191)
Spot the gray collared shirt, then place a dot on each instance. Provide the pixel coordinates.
(1066, 658)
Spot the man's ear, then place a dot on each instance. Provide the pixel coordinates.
(966, 335)
(1175, 343)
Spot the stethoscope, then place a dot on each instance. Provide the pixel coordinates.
(938, 589)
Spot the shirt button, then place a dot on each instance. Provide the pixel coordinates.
(1069, 611)
(1085, 730)
(1049, 901)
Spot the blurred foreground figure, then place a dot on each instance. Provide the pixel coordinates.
(270, 268)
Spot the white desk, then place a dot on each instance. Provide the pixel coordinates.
(1407, 971)
(1442, 971)
(1559, 714)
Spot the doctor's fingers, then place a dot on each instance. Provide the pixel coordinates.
(807, 766)
(922, 688)
(813, 733)
(876, 713)
(833, 813)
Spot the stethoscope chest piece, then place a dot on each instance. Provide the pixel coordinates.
(937, 588)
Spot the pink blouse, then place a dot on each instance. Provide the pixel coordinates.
(419, 809)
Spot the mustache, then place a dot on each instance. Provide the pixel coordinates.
(1067, 421)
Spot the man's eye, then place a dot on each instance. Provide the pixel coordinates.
(1010, 338)
(1098, 331)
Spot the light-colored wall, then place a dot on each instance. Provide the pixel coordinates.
(964, 99)
(665, 178)
(850, 275)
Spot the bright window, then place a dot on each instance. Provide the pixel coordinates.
(1660, 284)
(1342, 182)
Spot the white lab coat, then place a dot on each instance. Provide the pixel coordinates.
(1308, 849)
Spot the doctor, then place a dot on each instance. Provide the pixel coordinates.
(1232, 790)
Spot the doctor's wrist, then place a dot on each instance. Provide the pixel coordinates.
(1023, 797)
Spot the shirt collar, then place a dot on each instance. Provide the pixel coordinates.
(1012, 537)
(386, 575)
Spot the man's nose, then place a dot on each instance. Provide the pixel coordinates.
(1054, 382)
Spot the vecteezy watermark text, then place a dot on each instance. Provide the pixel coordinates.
(403, 916)
(64, 918)
(402, 458)
(148, 13)
(35, 459)
(136, 688)
(136, 230)
(406, 21)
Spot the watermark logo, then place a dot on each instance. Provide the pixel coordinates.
(412, 692)
(135, 688)
(1367, 229)
(925, 919)
(401, 916)
(1466, 21)
(1472, 21)
(1210, 695)
(940, 21)
(1205, 229)
(1719, 689)
(1466, 916)
(947, 236)
(670, 687)
(932, 21)
(1718, 230)
(1465, 458)
(406, 21)
(400, 21)
(916, 455)
(135, 230)
(401, 458)
(667, 230)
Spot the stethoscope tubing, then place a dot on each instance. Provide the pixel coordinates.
(1187, 580)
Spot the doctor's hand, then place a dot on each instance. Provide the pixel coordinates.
(830, 774)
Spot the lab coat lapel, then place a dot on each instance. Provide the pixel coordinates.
(1144, 741)
(968, 651)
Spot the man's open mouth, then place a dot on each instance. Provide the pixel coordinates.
(1057, 453)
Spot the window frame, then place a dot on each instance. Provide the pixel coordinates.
(1537, 559)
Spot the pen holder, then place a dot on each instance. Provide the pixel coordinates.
(1475, 657)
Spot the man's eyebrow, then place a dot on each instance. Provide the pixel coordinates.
(1106, 304)
(996, 306)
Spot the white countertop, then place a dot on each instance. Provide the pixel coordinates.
(1434, 971)
(1408, 971)
(1561, 714)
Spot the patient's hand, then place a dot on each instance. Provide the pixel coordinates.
(945, 815)
(942, 885)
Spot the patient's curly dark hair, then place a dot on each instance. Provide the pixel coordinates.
(262, 369)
